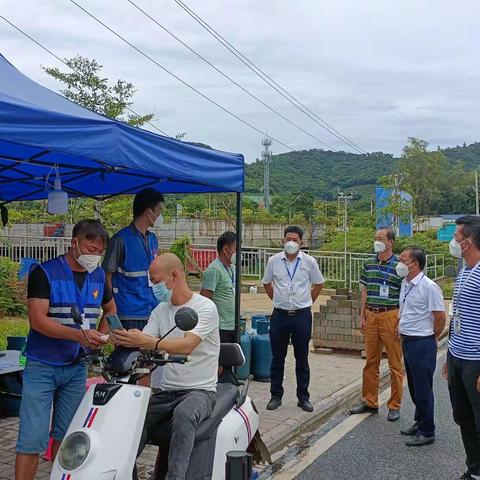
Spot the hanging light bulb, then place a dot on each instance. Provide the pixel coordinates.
(57, 198)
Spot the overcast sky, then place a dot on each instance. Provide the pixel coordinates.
(378, 71)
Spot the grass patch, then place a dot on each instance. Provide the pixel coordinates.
(12, 326)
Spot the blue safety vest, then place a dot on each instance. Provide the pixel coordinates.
(64, 293)
(133, 296)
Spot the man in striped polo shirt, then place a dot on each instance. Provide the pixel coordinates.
(463, 360)
(379, 318)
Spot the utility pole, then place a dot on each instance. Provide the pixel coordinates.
(476, 193)
(345, 198)
(267, 158)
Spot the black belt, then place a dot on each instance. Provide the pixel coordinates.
(379, 309)
(416, 337)
(291, 313)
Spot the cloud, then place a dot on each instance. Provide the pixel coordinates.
(377, 71)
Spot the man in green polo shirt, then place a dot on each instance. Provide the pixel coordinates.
(380, 285)
(218, 284)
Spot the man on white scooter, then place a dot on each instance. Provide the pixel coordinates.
(187, 392)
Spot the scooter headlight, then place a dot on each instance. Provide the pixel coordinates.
(74, 450)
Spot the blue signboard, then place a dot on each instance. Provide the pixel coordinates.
(384, 219)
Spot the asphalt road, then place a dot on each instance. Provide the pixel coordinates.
(374, 449)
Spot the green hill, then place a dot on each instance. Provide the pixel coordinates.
(323, 172)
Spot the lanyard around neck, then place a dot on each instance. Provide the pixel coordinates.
(290, 275)
(410, 289)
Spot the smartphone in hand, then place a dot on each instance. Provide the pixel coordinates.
(114, 323)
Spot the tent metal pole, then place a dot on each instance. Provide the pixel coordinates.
(238, 269)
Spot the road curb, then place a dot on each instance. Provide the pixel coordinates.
(291, 428)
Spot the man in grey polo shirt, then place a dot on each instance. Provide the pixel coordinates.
(422, 320)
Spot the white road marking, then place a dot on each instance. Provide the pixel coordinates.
(298, 464)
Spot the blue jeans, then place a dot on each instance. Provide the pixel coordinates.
(420, 356)
(46, 386)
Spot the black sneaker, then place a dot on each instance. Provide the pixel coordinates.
(419, 441)
(305, 405)
(466, 476)
(274, 403)
(410, 432)
(393, 415)
(362, 407)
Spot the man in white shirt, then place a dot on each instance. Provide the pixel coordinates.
(288, 281)
(422, 319)
(187, 392)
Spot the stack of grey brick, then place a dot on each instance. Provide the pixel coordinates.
(337, 324)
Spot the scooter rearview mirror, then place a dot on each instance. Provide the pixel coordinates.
(186, 319)
(76, 315)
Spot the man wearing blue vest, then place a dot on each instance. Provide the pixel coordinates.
(55, 373)
(127, 260)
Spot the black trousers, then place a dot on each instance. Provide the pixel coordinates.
(465, 398)
(420, 355)
(298, 328)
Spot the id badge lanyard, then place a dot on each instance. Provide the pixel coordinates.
(384, 288)
(81, 295)
(291, 276)
(457, 319)
(232, 277)
(407, 292)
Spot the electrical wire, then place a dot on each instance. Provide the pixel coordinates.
(276, 112)
(37, 42)
(177, 77)
(269, 80)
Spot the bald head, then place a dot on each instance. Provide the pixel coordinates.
(164, 265)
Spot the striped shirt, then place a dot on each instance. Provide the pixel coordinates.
(376, 273)
(466, 303)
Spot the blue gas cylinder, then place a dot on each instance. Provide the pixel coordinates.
(256, 318)
(261, 352)
(243, 372)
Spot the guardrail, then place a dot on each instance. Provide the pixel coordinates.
(335, 266)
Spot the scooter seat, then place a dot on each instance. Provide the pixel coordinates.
(225, 400)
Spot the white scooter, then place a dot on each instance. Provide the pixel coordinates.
(103, 438)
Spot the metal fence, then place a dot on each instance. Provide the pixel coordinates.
(336, 267)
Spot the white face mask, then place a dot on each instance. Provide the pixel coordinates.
(402, 269)
(159, 221)
(291, 247)
(455, 248)
(231, 255)
(88, 262)
(379, 247)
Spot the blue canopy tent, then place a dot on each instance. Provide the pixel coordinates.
(97, 157)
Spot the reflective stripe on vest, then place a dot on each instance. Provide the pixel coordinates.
(142, 273)
(133, 295)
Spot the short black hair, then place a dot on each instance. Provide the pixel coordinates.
(147, 198)
(293, 229)
(226, 238)
(418, 255)
(390, 232)
(471, 227)
(91, 230)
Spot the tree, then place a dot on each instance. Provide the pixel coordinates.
(425, 174)
(89, 89)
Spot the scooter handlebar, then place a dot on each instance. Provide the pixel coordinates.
(171, 358)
